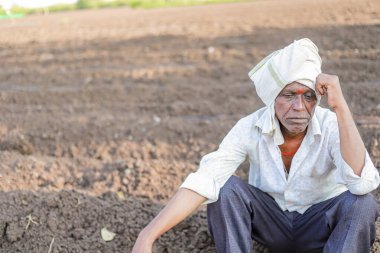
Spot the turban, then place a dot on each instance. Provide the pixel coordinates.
(297, 62)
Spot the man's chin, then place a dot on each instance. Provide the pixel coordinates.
(294, 130)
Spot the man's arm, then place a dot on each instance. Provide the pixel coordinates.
(183, 203)
(214, 170)
(351, 144)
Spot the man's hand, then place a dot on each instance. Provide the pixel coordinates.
(329, 85)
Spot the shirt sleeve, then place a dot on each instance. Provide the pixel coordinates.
(359, 185)
(217, 167)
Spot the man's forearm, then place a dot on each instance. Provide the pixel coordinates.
(351, 144)
(183, 203)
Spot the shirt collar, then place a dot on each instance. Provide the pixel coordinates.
(315, 126)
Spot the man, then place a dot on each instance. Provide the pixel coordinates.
(310, 174)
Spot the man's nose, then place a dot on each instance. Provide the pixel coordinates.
(298, 103)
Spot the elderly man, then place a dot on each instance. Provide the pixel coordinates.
(310, 174)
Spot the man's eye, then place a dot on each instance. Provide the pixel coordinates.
(307, 96)
(288, 95)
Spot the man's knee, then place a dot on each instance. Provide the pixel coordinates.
(230, 192)
(368, 204)
(231, 187)
(365, 206)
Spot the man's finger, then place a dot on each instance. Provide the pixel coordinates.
(325, 91)
(320, 89)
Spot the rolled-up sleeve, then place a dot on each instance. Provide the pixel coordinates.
(369, 178)
(215, 168)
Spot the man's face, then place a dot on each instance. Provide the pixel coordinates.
(294, 107)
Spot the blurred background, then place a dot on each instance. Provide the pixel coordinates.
(106, 106)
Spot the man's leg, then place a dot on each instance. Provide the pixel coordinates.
(352, 224)
(243, 212)
(345, 223)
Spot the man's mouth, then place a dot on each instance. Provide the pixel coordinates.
(298, 120)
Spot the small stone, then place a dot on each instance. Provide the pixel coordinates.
(107, 235)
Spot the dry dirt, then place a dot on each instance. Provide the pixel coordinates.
(104, 113)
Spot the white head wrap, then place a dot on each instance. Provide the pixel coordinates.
(297, 62)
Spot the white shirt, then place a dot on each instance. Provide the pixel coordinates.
(317, 173)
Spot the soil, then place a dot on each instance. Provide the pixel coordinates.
(105, 112)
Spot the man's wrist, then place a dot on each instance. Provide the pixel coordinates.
(147, 236)
(342, 108)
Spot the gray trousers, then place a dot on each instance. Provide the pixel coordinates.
(243, 213)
